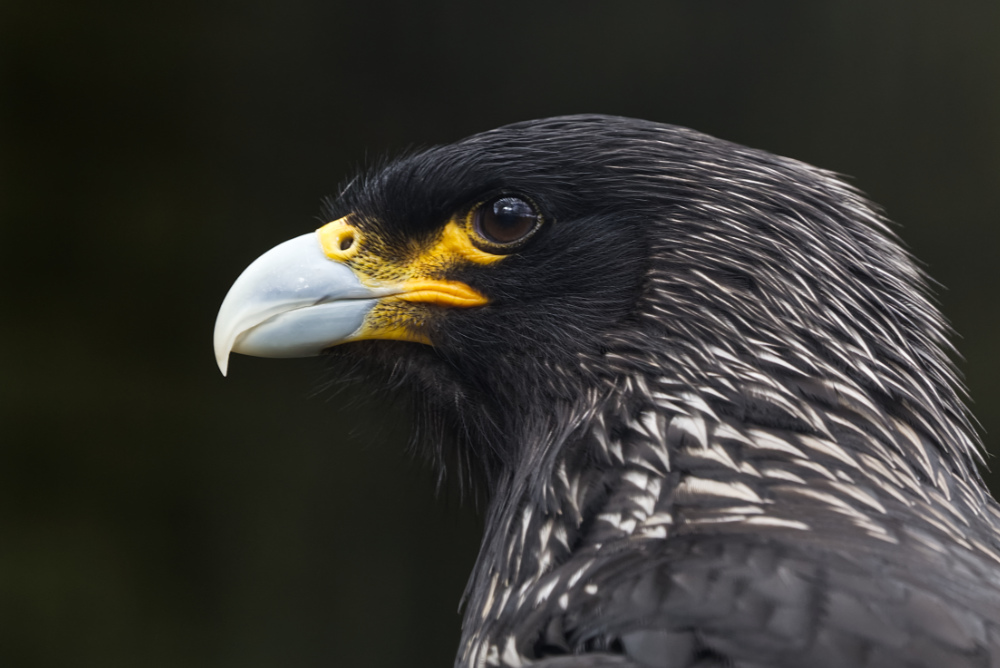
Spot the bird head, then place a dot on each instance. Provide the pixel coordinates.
(502, 277)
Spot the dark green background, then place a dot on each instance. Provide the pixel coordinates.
(153, 513)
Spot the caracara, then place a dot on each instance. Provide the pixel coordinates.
(701, 387)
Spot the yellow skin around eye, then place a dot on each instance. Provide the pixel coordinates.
(455, 242)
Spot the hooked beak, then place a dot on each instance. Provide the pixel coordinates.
(292, 301)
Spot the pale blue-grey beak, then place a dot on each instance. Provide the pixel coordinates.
(292, 301)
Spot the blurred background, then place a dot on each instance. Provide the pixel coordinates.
(153, 513)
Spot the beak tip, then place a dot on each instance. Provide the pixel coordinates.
(292, 301)
(222, 344)
(223, 348)
(223, 362)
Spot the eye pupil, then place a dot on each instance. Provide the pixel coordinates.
(506, 220)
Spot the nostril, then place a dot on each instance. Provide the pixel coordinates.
(346, 242)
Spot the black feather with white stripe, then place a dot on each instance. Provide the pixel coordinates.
(709, 406)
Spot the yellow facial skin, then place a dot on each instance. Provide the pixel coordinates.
(401, 316)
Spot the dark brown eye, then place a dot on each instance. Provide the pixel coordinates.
(505, 220)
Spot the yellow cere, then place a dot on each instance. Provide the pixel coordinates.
(339, 239)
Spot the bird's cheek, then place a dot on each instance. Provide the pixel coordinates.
(396, 319)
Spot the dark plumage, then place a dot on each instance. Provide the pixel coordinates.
(707, 403)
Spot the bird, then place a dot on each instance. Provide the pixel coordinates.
(703, 390)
